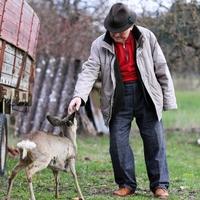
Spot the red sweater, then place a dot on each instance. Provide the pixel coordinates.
(126, 59)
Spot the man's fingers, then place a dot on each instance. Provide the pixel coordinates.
(72, 108)
(74, 105)
(78, 106)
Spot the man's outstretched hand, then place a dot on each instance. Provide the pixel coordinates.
(74, 105)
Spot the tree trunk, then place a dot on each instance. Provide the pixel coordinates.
(85, 125)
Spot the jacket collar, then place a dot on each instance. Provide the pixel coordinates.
(108, 41)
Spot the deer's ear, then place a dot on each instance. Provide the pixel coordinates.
(54, 121)
(70, 123)
(71, 119)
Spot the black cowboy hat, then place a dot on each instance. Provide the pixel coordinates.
(119, 18)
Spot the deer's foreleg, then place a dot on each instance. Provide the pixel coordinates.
(73, 171)
(55, 173)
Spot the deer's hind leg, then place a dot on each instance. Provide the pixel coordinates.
(15, 171)
(34, 167)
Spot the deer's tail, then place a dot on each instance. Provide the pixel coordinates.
(26, 145)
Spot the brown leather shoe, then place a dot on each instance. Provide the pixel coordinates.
(122, 192)
(161, 193)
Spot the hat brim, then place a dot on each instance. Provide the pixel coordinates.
(108, 24)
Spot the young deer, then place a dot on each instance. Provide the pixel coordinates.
(40, 150)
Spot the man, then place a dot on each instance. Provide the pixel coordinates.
(136, 83)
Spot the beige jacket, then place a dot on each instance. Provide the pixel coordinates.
(151, 64)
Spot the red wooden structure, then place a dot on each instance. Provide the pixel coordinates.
(19, 25)
(19, 29)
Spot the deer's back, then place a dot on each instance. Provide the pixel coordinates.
(51, 146)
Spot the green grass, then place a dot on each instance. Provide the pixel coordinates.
(188, 113)
(187, 116)
(95, 170)
(96, 177)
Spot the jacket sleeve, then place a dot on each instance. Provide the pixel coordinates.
(163, 75)
(88, 74)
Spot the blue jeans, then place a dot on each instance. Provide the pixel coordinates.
(152, 133)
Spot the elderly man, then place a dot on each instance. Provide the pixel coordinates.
(136, 83)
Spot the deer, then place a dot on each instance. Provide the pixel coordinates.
(39, 150)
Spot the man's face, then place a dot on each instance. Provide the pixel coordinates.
(122, 36)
